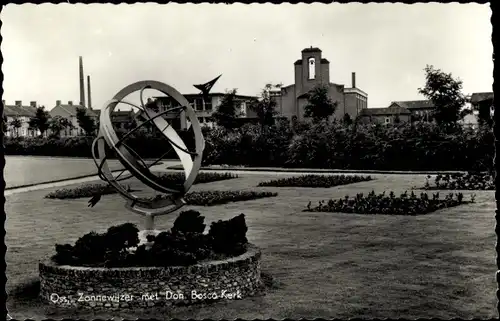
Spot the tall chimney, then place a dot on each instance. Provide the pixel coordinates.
(353, 80)
(88, 93)
(82, 84)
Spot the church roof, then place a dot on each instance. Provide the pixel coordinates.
(323, 61)
(311, 49)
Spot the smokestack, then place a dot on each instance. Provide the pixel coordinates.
(88, 93)
(353, 80)
(82, 84)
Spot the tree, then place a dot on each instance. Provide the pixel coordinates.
(445, 92)
(85, 122)
(265, 106)
(15, 124)
(57, 124)
(226, 114)
(320, 105)
(40, 121)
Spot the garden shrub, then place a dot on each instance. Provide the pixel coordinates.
(229, 237)
(118, 247)
(316, 181)
(189, 222)
(382, 204)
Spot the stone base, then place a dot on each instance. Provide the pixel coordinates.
(67, 286)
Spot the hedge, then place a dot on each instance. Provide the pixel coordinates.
(417, 146)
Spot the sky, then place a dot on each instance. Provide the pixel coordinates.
(387, 45)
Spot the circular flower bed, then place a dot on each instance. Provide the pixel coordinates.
(144, 287)
(382, 204)
(316, 181)
(461, 181)
(174, 267)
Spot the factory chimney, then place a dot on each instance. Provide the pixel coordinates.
(82, 84)
(353, 80)
(88, 93)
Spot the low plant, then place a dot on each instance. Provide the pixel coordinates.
(461, 181)
(316, 181)
(184, 244)
(390, 204)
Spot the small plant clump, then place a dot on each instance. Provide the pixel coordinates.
(461, 181)
(390, 204)
(184, 244)
(316, 181)
(171, 179)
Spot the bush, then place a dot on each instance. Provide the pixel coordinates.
(381, 204)
(118, 247)
(229, 237)
(461, 181)
(316, 181)
(189, 222)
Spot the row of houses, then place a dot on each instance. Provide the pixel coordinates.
(310, 70)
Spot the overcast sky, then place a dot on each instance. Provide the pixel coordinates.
(387, 45)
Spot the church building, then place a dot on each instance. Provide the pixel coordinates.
(312, 70)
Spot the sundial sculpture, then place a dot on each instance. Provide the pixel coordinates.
(191, 160)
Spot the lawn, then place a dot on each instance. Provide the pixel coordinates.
(328, 265)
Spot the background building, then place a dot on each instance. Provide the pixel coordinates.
(20, 114)
(312, 70)
(204, 108)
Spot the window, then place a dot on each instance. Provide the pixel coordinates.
(387, 120)
(208, 104)
(198, 103)
(243, 108)
(312, 68)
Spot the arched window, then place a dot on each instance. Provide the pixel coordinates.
(312, 68)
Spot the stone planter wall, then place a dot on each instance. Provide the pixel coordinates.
(142, 287)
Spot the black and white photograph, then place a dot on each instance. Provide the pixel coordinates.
(249, 161)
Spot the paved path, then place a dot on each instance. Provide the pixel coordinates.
(311, 170)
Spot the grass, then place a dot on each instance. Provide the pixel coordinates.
(315, 265)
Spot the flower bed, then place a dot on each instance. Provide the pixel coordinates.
(84, 190)
(178, 267)
(170, 179)
(382, 204)
(184, 244)
(461, 181)
(210, 198)
(316, 181)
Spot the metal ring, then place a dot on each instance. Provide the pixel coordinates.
(191, 162)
